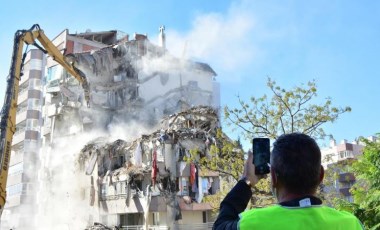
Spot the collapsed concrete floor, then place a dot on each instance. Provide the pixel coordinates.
(153, 173)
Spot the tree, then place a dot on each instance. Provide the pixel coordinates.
(227, 158)
(366, 191)
(287, 111)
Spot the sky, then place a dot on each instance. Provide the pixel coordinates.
(292, 41)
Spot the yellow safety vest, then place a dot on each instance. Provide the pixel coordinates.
(290, 218)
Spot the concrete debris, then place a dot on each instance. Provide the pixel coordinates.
(113, 72)
(187, 130)
(154, 164)
(197, 118)
(127, 173)
(100, 226)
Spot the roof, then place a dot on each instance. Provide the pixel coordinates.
(105, 37)
(90, 33)
(202, 66)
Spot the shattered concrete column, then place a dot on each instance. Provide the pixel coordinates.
(148, 198)
(170, 161)
(173, 211)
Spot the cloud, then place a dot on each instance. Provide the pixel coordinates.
(222, 40)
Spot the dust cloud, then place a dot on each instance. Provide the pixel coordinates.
(61, 201)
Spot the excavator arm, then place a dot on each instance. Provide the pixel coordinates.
(8, 113)
(35, 33)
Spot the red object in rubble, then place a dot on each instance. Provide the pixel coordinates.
(192, 173)
(154, 167)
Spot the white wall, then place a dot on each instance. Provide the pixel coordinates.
(190, 217)
(155, 92)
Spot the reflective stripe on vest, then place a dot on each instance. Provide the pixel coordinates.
(314, 217)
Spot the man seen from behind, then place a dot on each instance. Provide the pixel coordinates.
(296, 173)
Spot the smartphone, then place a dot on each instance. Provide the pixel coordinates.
(261, 155)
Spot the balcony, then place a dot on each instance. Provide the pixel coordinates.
(21, 115)
(345, 191)
(18, 137)
(46, 130)
(53, 110)
(346, 177)
(13, 201)
(24, 77)
(16, 157)
(22, 96)
(14, 179)
(196, 226)
(142, 227)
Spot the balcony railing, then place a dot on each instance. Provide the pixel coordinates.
(134, 193)
(345, 191)
(142, 227)
(199, 226)
(21, 116)
(22, 96)
(195, 226)
(346, 177)
(22, 109)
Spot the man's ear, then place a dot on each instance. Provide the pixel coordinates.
(273, 176)
(322, 174)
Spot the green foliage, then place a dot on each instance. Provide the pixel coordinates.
(286, 111)
(225, 157)
(216, 199)
(262, 195)
(366, 191)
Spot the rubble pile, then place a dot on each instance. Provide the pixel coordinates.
(100, 226)
(155, 165)
(184, 131)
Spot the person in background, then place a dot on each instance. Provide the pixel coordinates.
(296, 173)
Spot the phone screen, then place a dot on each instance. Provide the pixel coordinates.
(261, 155)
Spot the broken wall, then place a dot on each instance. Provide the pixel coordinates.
(153, 166)
(122, 78)
(178, 84)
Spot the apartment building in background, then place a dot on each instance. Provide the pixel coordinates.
(336, 159)
(51, 104)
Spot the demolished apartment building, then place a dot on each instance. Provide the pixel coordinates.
(130, 80)
(147, 181)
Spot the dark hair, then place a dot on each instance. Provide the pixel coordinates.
(296, 159)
